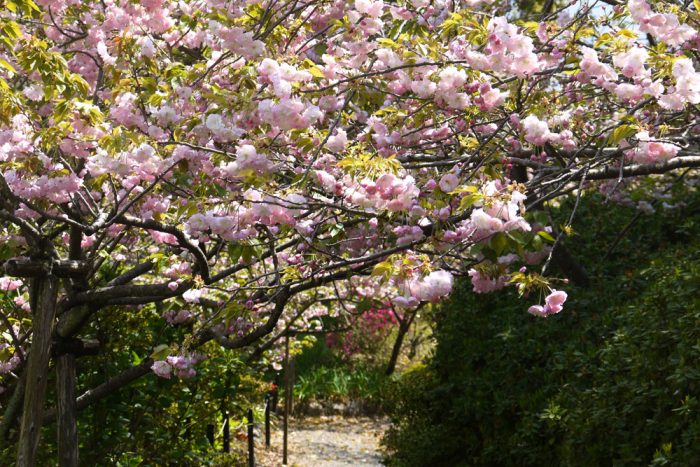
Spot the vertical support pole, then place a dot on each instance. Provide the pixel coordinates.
(43, 294)
(287, 381)
(227, 433)
(188, 430)
(268, 400)
(66, 411)
(291, 385)
(210, 433)
(275, 395)
(251, 439)
(225, 416)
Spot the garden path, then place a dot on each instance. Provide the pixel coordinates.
(325, 441)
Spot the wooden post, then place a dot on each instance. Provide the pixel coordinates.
(43, 294)
(251, 439)
(67, 411)
(287, 381)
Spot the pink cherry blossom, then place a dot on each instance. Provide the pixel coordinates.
(536, 131)
(7, 284)
(432, 287)
(485, 284)
(649, 151)
(632, 62)
(593, 68)
(553, 304)
(338, 141)
(665, 27)
(162, 369)
(449, 182)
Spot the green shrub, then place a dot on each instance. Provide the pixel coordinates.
(612, 380)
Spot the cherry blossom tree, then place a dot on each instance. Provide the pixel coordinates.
(248, 164)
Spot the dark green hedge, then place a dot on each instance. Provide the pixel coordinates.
(612, 380)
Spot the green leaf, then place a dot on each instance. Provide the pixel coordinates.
(12, 30)
(546, 235)
(382, 269)
(247, 254)
(517, 237)
(336, 229)
(316, 72)
(135, 359)
(499, 243)
(469, 200)
(235, 250)
(540, 217)
(622, 132)
(386, 42)
(160, 352)
(6, 65)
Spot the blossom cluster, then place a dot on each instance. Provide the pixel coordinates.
(181, 366)
(247, 153)
(553, 304)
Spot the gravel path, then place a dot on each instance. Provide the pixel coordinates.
(327, 442)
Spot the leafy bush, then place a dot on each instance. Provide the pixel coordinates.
(327, 373)
(367, 335)
(340, 384)
(612, 380)
(154, 421)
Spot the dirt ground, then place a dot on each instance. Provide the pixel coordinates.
(326, 442)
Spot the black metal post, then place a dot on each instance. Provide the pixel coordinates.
(287, 381)
(210, 433)
(268, 401)
(251, 439)
(275, 396)
(227, 434)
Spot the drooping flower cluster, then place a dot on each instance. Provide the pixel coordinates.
(553, 304)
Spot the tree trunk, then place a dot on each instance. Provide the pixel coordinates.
(67, 411)
(404, 326)
(570, 267)
(43, 293)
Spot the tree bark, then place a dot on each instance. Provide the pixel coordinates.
(404, 326)
(67, 411)
(43, 293)
(10, 415)
(570, 267)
